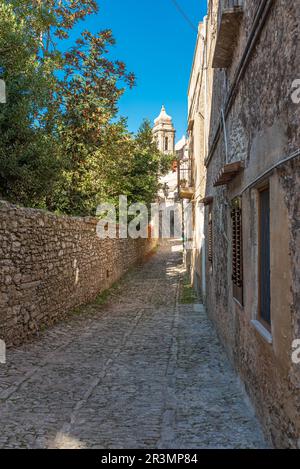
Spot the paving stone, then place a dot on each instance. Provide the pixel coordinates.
(141, 371)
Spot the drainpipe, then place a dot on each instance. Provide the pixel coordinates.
(225, 135)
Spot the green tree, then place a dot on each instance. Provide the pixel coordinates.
(91, 143)
(62, 146)
(28, 162)
(52, 122)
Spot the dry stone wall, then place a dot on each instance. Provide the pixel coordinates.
(50, 264)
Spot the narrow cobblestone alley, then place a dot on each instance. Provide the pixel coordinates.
(141, 371)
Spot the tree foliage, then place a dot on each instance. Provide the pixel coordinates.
(28, 161)
(62, 146)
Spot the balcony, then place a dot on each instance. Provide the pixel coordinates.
(230, 18)
(228, 173)
(186, 193)
(185, 178)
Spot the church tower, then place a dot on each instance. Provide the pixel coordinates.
(164, 133)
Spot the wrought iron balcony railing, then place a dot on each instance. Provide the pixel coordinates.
(185, 179)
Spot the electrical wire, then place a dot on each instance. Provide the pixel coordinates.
(184, 15)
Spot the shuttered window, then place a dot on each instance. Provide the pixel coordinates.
(210, 236)
(264, 258)
(237, 250)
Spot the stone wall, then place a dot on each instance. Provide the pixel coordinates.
(51, 264)
(262, 126)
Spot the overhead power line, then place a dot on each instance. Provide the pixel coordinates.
(184, 15)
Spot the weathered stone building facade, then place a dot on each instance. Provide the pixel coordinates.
(52, 264)
(249, 142)
(195, 190)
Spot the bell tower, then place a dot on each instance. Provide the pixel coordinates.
(164, 133)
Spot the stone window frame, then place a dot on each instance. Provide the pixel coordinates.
(267, 325)
(265, 331)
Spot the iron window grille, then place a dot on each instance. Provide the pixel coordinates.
(237, 250)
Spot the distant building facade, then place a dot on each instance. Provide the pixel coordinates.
(164, 132)
(244, 139)
(192, 171)
(164, 136)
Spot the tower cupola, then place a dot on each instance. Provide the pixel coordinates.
(164, 132)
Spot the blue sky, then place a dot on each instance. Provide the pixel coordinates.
(157, 44)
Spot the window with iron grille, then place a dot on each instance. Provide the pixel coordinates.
(237, 250)
(210, 236)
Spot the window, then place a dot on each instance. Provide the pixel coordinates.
(210, 236)
(166, 143)
(264, 258)
(237, 250)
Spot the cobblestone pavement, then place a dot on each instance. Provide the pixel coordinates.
(141, 371)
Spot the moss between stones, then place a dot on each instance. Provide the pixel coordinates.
(187, 293)
(104, 296)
